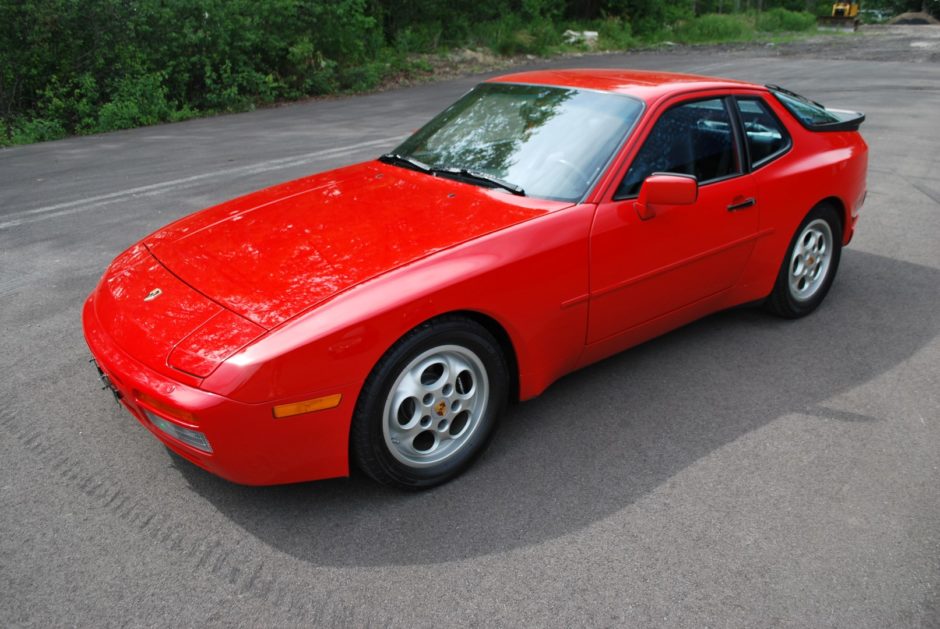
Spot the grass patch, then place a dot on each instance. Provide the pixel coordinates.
(714, 28)
(782, 21)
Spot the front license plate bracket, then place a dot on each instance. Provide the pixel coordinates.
(106, 382)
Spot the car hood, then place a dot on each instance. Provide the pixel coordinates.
(162, 322)
(272, 254)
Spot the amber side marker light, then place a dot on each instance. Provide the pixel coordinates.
(308, 406)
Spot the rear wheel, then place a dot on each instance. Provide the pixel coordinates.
(809, 266)
(430, 405)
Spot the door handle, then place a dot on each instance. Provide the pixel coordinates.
(746, 203)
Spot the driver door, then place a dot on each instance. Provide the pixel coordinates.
(642, 269)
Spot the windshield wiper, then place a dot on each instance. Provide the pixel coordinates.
(458, 173)
(407, 162)
(477, 176)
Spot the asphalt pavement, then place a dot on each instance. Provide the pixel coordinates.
(744, 471)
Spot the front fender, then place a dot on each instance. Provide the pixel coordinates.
(531, 278)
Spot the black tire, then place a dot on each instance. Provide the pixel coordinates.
(793, 299)
(430, 405)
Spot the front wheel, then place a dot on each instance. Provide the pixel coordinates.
(809, 266)
(430, 405)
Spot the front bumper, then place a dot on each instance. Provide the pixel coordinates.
(249, 445)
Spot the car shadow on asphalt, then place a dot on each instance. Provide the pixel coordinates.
(604, 437)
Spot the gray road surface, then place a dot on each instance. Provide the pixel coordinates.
(741, 472)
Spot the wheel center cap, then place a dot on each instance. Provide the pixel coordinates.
(440, 408)
(811, 260)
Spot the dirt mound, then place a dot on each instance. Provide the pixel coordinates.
(914, 18)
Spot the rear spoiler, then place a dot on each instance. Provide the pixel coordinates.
(839, 119)
(848, 121)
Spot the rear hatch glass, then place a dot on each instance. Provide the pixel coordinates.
(816, 116)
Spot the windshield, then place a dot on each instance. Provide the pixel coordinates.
(551, 142)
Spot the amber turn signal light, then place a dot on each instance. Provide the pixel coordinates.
(308, 406)
(166, 409)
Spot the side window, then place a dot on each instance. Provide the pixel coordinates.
(766, 137)
(694, 138)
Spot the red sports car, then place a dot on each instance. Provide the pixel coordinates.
(385, 313)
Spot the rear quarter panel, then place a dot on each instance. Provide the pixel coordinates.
(820, 166)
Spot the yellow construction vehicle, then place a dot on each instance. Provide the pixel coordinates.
(844, 17)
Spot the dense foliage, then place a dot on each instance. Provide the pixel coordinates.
(82, 66)
(91, 65)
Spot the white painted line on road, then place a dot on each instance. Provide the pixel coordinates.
(81, 205)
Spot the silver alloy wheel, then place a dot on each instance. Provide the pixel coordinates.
(435, 405)
(810, 260)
